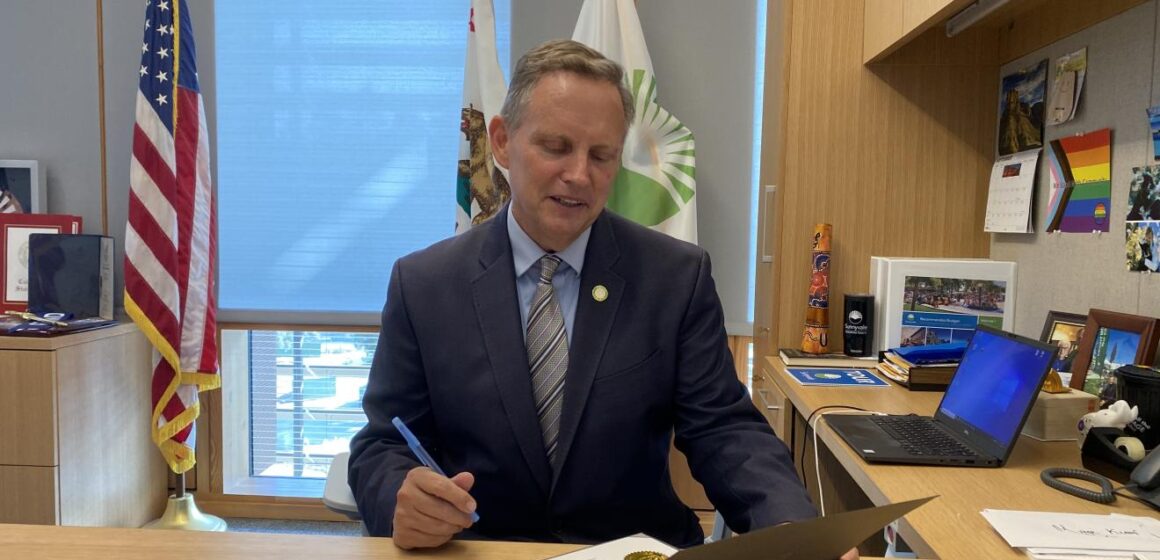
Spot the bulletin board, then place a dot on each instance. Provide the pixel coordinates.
(1076, 271)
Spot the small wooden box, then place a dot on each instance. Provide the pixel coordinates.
(1055, 415)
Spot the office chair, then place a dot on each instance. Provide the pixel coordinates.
(336, 496)
(721, 531)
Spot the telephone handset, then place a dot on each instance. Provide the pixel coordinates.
(1146, 475)
(1144, 480)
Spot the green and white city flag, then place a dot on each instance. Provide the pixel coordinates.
(481, 186)
(657, 184)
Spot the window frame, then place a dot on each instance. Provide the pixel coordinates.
(221, 475)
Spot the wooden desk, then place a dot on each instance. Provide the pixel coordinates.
(950, 526)
(34, 542)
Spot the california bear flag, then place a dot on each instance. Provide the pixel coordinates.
(656, 185)
(481, 187)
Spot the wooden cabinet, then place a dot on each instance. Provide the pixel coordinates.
(771, 401)
(889, 24)
(1022, 26)
(75, 447)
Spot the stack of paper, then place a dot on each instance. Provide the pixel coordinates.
(1075, 536)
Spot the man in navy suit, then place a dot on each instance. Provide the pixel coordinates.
(643, 354)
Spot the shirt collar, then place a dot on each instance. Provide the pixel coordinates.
(525, 251)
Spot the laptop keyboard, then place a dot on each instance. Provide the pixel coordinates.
(919, 436)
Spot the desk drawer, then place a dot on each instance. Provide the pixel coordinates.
(27, 408)
(28, 495)
(772, 403)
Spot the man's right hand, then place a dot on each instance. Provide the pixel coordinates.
(431, 508)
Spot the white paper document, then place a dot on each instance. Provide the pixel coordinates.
(619, 548)
(1073, 554)
(1010, 194)
(1074, 535)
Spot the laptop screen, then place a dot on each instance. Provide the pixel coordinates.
(994, 387)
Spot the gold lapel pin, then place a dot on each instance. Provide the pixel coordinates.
(599, 293)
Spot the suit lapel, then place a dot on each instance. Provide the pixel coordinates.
(591, 327)
(497, 306)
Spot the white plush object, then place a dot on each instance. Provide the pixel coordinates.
(1117, 415)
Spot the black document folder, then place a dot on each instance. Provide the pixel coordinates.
(71, 275)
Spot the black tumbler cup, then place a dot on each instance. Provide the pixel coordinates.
(858, 324)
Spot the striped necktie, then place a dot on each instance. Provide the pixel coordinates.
(547, 354)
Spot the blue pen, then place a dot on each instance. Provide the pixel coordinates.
(424, 457)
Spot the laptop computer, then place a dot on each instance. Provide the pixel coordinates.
(980, 416)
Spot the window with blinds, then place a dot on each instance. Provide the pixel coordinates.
(337, 135)
(306, 392)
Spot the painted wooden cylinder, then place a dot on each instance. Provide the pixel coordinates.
(816, 337)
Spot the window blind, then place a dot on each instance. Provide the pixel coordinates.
(337, 141)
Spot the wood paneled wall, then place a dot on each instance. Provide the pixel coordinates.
(895, 155)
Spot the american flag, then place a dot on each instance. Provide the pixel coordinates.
(171, 240)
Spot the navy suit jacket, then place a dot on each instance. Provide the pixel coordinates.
(648, 362)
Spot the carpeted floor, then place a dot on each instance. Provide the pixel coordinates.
(337, 528)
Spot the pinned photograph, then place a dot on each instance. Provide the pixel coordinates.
(1021, 109)
(1141, 246)
(1144, 194)
(1067, 86)
(1142, 224)
(1154, 127)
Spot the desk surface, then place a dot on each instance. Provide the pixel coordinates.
(64, 340)
(36, 542)
(40, 542)
(950, 526)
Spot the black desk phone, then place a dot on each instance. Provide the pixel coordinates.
(1101, 454)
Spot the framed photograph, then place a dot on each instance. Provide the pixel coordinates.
(918, 302)
(1065, 330)
(1110, 340)
(15, 230)
(22, 186)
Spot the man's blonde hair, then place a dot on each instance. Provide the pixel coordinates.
(561, 55)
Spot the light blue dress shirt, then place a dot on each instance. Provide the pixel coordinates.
(566, 281)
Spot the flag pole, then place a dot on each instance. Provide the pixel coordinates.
(170, 249)
(181, 513)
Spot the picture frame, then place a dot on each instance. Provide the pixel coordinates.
(26, 182)
(939, 300)
(1108, 342)
(1065, 330)
(15, 230)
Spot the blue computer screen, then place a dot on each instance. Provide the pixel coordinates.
(996, 380)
